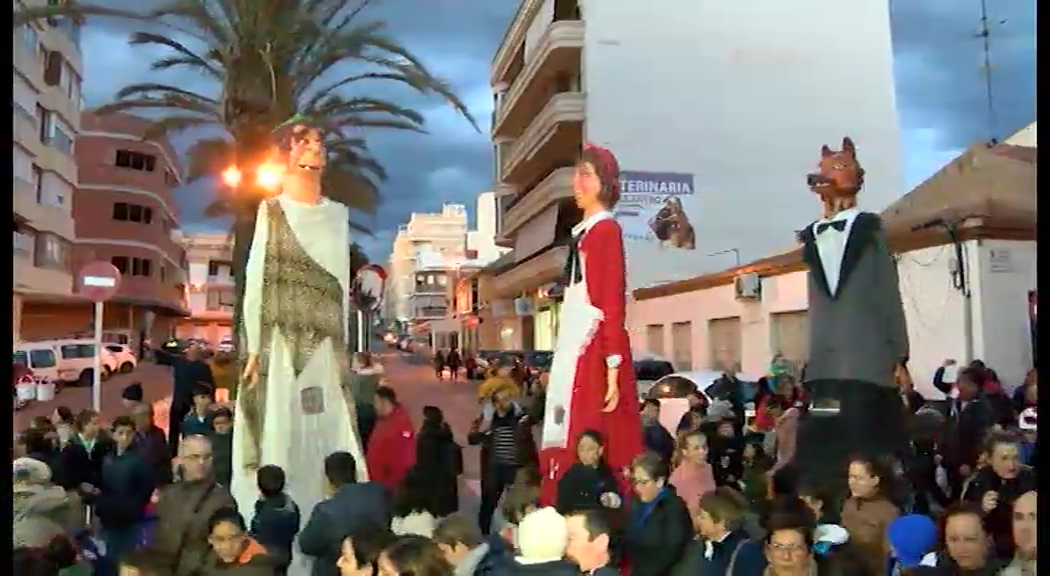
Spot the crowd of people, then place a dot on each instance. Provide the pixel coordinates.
(718, 495)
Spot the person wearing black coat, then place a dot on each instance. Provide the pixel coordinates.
(454, 362)
(658, 527)
(82, 458)
(439, 459)
(125, 489)
(969, 420)
(439, 363)
(583, 486)
(996, 487)
(655, 438)
(187, 374)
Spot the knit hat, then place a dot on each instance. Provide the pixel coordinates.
(132, 392)
(542, 536)
(910, 538)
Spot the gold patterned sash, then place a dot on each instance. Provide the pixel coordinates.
(302, 304)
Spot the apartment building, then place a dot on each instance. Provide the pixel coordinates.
(211, 294)
(711, 112)
(443, 233)
(46, 103)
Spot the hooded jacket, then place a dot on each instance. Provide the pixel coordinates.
(391, 449)
(41, 512)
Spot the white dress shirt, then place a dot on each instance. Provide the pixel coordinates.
(831, 245)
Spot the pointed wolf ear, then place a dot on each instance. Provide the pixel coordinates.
(825, 151)
(847, 146)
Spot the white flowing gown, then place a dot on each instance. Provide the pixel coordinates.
(295, 441)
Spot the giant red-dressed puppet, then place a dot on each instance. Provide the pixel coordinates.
(591, 383)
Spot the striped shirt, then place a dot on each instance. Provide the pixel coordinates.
(504, 438)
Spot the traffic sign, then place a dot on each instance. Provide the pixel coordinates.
(369, 286)
(98, 281)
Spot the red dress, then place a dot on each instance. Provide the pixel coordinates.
(591, 337)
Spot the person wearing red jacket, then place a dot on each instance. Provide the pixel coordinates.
(392, 447)
(592, 384)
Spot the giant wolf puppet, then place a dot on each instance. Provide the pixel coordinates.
(858, 334)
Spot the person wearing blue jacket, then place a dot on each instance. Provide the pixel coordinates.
(276, 519)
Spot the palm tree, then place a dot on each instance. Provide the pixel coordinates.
(71, 8)
(272, 59)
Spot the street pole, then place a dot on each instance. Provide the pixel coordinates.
(362, 346)
(96, 382)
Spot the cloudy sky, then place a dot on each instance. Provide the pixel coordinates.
(940, 93)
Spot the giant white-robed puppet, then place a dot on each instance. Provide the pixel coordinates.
(293, 409)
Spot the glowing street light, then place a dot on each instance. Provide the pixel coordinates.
(269, 176)
(231, 176)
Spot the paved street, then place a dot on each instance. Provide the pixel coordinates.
(410, 376)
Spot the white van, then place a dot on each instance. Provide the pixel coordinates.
(73, 360)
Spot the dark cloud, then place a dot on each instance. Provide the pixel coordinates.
(939, 86)
(939, 68)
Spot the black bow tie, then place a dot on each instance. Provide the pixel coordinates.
(839, 225)
(573, 271)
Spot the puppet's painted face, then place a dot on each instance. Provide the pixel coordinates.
(306, 150)
(586, 186)
(840, 173)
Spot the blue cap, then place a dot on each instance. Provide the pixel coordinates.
(911, 537)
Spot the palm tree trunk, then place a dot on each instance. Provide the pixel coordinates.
(243, 232)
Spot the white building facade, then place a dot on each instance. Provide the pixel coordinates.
(719, 107)
(443, 233)
(211, 293)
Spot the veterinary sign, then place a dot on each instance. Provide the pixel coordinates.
(654, 207)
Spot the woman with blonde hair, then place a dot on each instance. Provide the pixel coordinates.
(692, 476)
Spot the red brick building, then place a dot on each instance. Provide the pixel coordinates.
(125, 213)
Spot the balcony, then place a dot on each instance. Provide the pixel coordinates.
(554, 137)
(431, 313)
(30, 279)
(532, 272)
(40, 217)
(429, 290)
(556, 186)
(557, 55)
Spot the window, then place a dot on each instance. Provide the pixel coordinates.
(213, 268)
(54, 64)
(24, 95)
(141, 267)
(54, 191)
(37, 181)
(136, 161)
(170, 178)
(43, 116)
(164, 273)
(121, 263)
(51, 252)
(62, 138)
(125, 212)
(23, 243)
(42, 359)
(23, 165)
(75, 351)
(30, 38)
(220, 298)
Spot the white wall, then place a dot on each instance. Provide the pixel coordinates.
(934, 309)
(1025, 137)
(537, 28)
(1005, 272)
(54, 191)
(742, 102)
(198, 273)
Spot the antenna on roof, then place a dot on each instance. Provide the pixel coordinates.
(985, 36)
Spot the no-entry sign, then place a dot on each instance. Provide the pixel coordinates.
(98, 281)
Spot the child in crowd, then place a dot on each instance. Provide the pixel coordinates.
(1028, 424)
(124, 492)
(727, 454)
(233, 551)
(413, 506)
(655, 437)
(693, 476)
(222, 445)
(143, 562)
(131, 396)
(588, 484)
(276, 519)
(520, 500)
(756, 465)
(198, 420)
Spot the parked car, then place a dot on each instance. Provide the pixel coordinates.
(126, 361)
(70, 362)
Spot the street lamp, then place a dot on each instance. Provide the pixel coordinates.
(268, 175)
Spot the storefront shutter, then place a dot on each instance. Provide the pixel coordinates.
(654, 339)
(724, 340)
(790, 337)
(682, 346)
